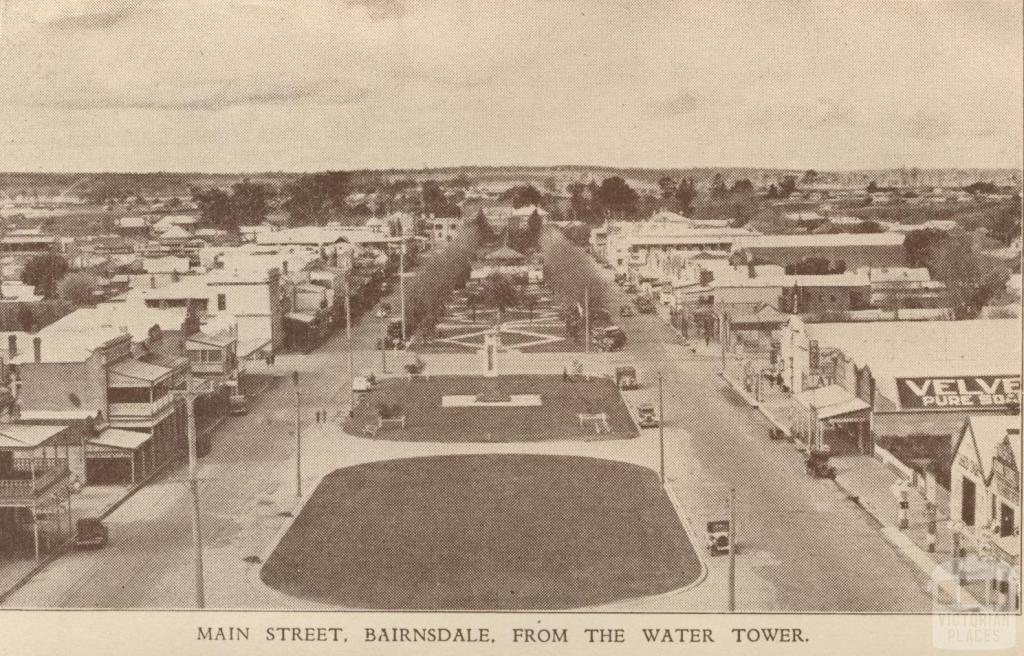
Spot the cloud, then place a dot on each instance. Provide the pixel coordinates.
(94, 21)
(212, 96)
(683, 103)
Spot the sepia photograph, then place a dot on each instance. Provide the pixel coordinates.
(440, 324)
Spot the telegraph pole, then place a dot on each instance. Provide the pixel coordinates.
(732, 550)
(298, 436)
(401, 285)
(348, 338)
(661, 428)
(586, 317)
(193, 484)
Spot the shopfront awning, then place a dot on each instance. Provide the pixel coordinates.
(116, 438)
(830, 401)
(301, 317)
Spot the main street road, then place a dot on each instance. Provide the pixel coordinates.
(804, 546)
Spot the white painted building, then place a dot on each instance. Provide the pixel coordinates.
(985, 481)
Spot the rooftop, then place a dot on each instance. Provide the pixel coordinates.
(64, 345)
(27, 436)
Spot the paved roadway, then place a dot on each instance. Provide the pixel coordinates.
(804, 546)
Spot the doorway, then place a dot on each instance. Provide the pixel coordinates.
(1005, 520)
(967, 501)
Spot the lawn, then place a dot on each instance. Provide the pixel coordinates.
(556, 419)
(484, 532)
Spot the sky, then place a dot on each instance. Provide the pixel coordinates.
(301, 85)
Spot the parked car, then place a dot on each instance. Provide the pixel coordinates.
(610, 338)
(627, 311)
(91, 533)
(817, 465)
(631, 289)
(644, 305)
(648, 417)
(718, 537)
(237, 404)
(625, 378)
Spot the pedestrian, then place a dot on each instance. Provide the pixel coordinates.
(565, 374)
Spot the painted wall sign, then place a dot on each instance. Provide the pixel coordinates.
(958, 392)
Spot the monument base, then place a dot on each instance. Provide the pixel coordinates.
(492, 394)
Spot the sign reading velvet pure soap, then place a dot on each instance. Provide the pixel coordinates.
(958, 391)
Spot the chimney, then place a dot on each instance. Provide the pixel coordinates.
(12, 345)
(37, 349)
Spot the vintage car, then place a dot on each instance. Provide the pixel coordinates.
(648, 417)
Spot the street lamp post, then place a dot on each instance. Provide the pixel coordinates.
(661, 429)
(348, 339)
(401, 287)
(382, 314)
(298, 435)
(193, 485)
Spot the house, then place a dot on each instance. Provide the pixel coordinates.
(441, 230)
(792, 294)
(904, 287)
(133, 226)
(253, 297)
(856, 250)
(34, 481)
(308, 315)
(985, 482)
(90, 378)
(184, 221)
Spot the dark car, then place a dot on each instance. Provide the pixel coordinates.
(91, 533)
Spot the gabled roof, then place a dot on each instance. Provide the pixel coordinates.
(176, 232)
(987, 433)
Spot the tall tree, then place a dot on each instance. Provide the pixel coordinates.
(250, 203)
(718, 189)
(521, 196)
(1005, 222)
(686, 193)
(214, 205)
(787, 186)
(43, 272)
(616, 196)
(668, 187)
(314, 198)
